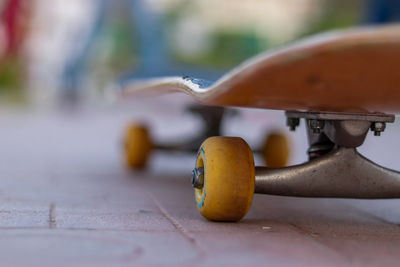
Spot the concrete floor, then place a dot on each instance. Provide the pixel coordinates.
(65, 199)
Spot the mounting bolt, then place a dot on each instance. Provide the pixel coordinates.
(292, 123)
(316, 125)
(378, 127)
(198, 177)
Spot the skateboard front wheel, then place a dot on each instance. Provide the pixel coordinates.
(276, 150)
(223, 178)
(137, 146)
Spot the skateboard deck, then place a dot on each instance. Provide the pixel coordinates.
(350, 71)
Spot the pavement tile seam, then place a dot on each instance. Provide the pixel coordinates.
(181, 229)
(52, 215)
(16, 228)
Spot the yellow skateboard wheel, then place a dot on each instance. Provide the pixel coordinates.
(276, 150)
(227, 185)
(138, 146)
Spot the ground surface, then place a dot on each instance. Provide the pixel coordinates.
(66, 199)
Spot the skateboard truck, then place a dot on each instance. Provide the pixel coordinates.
(138, 144)
(343, 173)
(335, 169)
(225, 179)
(212, 121)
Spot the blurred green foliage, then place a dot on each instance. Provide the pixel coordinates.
(120, 32)
(335, 15)
(229, 49)
(11, 79)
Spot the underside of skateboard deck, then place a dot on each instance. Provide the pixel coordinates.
(352, 71)
(342, 84)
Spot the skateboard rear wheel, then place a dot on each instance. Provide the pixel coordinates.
(228, 170)
(137, 146)
(276, 150)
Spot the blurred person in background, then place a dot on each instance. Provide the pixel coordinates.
(14, 23)
(75, 49)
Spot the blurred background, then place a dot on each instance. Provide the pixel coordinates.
(71, 50)
(62, 52)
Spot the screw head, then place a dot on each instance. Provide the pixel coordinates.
(378, 128)
(316, 125)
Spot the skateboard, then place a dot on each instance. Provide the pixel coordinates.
(342, 84)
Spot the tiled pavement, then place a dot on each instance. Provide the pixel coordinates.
(65, 199)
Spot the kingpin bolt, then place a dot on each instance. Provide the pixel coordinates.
(292, 123)
(198, 177)
(378, 128)
(316, 125)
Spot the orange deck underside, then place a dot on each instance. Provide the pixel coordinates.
(354, 80)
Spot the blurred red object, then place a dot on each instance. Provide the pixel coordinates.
(13, 22)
